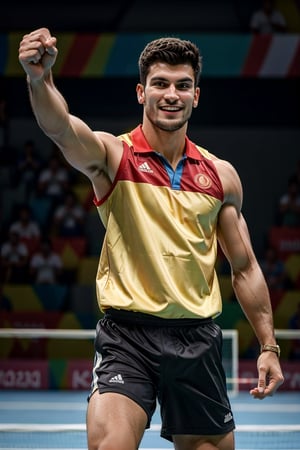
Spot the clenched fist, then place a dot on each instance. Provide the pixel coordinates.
(37, 53)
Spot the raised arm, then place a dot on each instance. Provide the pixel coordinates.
(247, 279)
(94, 153)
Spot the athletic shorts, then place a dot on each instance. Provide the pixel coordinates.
(176, 362)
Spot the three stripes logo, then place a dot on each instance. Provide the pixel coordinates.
(228, 417)
(117, 379)
(145, 168)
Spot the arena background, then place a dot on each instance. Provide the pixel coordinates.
(248, 113)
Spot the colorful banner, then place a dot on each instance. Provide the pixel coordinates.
(83, 55)
(23, 374)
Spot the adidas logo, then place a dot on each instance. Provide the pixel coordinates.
(117, 379)
(228, 417)
(145, 168)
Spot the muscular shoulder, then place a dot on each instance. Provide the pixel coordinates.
(229, 177)
(232, 186)
(109, 140)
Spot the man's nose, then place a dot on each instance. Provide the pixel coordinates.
(171, 92)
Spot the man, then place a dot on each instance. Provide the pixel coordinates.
(164, 202)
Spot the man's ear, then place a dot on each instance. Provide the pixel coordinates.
(196, 97)
(140, 93)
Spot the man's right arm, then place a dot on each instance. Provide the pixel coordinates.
(84, 149)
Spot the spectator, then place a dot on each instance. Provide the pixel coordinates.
(27, 228)
(53, 180)
(68, 218)
(14, 260)
(46, 266)
(289, 205)
(274, 271)
(267, 19)
(28, 166)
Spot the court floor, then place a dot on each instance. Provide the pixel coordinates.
(50, 408)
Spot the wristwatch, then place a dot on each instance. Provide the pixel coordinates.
(270, 348)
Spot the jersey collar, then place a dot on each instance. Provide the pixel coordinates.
(140, 144)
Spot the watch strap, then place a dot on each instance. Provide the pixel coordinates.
(270, 348)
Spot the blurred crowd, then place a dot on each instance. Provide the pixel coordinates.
(45, 206)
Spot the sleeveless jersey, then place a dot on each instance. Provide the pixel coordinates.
(160, 247)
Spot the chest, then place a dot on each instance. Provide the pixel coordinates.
(195, 176)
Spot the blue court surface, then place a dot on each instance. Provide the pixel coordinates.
(57, 420)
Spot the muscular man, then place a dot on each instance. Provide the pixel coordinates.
(165, 203)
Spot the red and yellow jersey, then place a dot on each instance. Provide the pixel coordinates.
(160, 247)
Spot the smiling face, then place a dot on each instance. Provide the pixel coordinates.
(168, 96)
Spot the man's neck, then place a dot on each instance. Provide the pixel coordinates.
(170, 144)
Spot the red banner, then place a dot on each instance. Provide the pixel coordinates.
(79, 374)
(23, 374)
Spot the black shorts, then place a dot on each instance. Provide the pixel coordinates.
(177, 362)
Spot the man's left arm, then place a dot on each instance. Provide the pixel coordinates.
(252, 293)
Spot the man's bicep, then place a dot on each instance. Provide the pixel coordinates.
(83, 148)
(234, 239)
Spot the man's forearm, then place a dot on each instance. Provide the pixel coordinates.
(253, 296)
(48, 105)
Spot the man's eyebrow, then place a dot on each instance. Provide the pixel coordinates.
(181, 80)
(186, 80)
(158, 79)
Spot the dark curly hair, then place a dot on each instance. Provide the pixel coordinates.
(170, 50)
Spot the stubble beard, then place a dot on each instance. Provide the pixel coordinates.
(169, 125)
